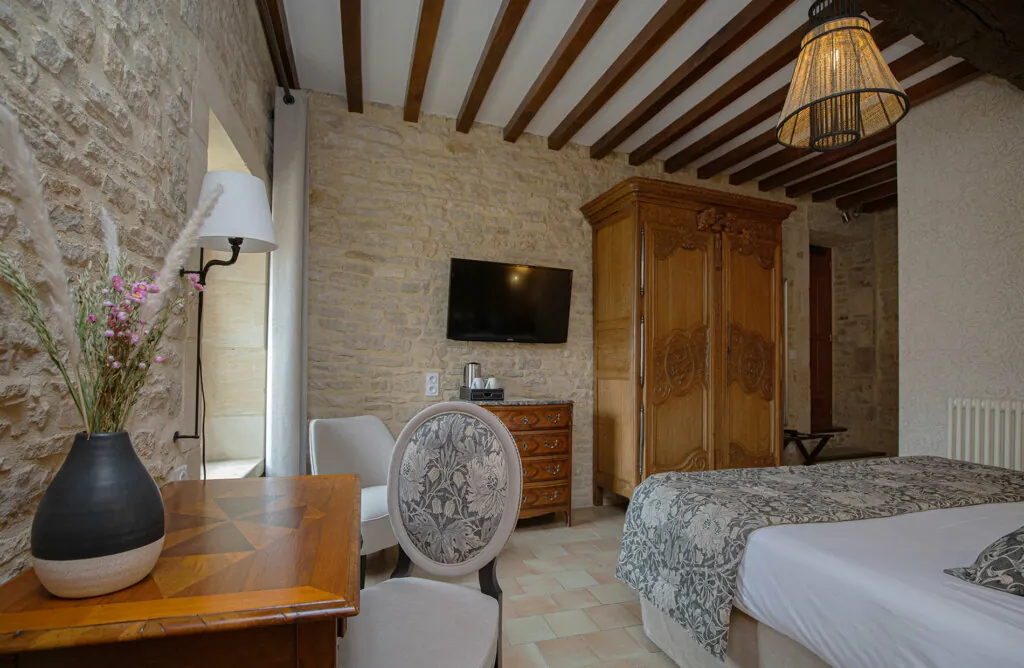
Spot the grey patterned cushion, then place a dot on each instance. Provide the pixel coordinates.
(999, 566)
(453, 487)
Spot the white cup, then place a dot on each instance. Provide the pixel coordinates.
(492, 383)
(478, 384)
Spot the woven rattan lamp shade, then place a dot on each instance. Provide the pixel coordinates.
(842, 89)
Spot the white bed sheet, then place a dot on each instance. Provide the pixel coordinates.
(872, 594)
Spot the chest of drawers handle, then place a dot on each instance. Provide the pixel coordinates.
(553, 496)
(556, 419)
(547, 444)
(554, 470)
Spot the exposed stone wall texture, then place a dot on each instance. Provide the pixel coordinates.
(887, 331)
(853, 340)
(104, 90)
(960, 247)
(865, 319)
(390, 203)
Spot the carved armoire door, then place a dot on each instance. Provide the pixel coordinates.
(749, 428)
(678, 335)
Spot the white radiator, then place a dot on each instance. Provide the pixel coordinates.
(987, 431)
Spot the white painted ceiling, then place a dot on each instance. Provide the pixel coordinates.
(389, 32)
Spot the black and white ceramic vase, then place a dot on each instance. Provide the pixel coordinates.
(100, 525)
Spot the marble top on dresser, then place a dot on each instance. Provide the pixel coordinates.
(521, 402)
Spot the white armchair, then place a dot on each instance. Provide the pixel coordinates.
(360, 445)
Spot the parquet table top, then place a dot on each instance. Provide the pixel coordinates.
(238, 554)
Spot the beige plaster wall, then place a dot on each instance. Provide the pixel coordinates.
(391, 202)
(115, 99)
(961, 241)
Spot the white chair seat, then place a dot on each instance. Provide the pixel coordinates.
(376, 523)
(417, 623)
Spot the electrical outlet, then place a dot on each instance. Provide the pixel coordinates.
(433, 384)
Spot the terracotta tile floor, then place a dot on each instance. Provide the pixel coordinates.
(562, 605)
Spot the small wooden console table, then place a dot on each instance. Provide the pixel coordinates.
(254, 572)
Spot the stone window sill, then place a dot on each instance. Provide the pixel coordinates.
(229, 469)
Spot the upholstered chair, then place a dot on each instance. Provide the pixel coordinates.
(454, 489)
(360, 445)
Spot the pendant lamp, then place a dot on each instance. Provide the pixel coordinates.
(842, 89)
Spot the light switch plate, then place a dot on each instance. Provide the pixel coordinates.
(433, 384)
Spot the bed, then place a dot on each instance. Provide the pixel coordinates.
(809, 591)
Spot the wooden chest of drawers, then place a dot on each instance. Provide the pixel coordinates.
(543, 433)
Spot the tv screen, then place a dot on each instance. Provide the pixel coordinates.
(491, 301)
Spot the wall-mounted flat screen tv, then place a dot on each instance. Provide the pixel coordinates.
(492, 301)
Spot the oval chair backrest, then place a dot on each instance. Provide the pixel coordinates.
(360, 445)
(454, 488)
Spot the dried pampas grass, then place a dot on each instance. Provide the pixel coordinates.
(177, 255)
(28, 187)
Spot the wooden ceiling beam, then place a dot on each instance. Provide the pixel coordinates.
(845, 171)
(669, 19)
(983, 32)
(765, 66)
(422, 53)
(932, 87)
(590, 17)
(880, 204)
(352, 52)
(747, 23)
(734, 127)
(510, 15)
(279, 41)
(887, 189)
(821, 161)
(887, 173)
(766, 165)
(745, 151)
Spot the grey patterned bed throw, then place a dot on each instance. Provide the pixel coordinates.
(685, 533)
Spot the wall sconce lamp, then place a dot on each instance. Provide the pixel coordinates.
(240, 223)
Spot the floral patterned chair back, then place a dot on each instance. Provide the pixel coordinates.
(454, 488)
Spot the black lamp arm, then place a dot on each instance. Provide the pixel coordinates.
(236, 248)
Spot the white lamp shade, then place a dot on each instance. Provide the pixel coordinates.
(242, 211)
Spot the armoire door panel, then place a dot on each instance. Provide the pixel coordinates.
(749, 412)
(679, 335)
(616, 465)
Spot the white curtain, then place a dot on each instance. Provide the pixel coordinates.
(286, 329)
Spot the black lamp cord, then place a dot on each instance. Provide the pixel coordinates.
(199, 427)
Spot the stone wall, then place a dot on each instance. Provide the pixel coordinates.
(107, 92)
(865, 322)
(391, 202)
(887, 332)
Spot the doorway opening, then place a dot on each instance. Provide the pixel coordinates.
(821, 338)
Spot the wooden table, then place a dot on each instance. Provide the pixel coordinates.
(254, 572)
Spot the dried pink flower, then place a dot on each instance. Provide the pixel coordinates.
(91, 318)
(158, 359)
(109, 333)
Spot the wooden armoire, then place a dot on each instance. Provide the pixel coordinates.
(688, 359)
